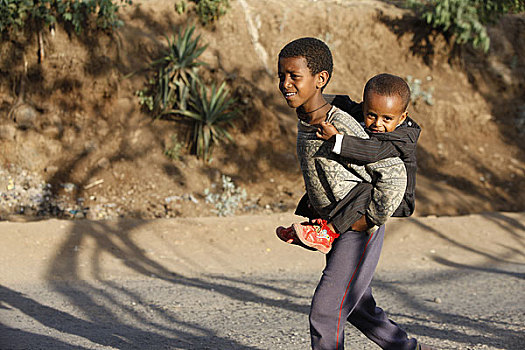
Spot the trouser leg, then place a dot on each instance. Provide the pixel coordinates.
(373, 322)
(350, 266)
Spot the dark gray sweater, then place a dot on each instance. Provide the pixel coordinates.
(329, 179)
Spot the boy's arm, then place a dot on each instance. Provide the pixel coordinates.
(389, 178)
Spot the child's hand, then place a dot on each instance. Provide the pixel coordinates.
(326, 131)
(361, 225)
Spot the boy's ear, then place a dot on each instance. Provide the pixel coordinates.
(322, 79)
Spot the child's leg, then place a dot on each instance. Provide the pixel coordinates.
(349, 269)
(373, 322)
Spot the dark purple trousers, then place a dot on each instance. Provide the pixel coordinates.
(344, 294)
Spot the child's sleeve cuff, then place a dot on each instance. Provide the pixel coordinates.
(338, 144)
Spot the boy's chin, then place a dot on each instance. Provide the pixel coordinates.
(291, 104)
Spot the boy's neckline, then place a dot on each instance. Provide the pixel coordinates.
(325, 116)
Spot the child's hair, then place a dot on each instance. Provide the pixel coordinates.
(316, 53)
(388, 85)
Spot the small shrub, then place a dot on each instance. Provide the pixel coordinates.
(228, 199)
(17, 15)
(417, 92)
(181, 7)
(209, 11)
(465, 20)
(145, 98)
(173, 151)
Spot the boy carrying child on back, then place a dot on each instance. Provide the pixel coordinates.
(334, 184)
(392, 134)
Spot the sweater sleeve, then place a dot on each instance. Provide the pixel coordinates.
(389, 180)
(367, 150)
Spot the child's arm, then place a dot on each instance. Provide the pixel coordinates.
(358, 149)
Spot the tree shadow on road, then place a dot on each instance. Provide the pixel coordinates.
(112, 311)
(114, 314)
(450, 324)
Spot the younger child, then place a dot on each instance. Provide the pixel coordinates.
(392, 134)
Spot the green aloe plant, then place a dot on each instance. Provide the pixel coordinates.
(211, 114)
(176, 69)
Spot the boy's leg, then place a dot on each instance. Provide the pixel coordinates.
(373, 322)
(350, 266)
(346, 279)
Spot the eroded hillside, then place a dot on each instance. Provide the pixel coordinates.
(74, 121)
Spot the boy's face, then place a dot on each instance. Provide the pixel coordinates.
(297, 84)
(383, 113)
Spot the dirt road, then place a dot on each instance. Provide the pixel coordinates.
(228, 283)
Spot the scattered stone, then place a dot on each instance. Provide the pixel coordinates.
(52, 132)
(25, 116)
(7, 132)
(103, 163)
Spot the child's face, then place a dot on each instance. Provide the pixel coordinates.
(383, 113)
(297, 84)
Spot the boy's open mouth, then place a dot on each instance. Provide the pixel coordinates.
(289, 94)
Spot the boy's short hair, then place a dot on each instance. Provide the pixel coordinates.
(388, 85)
(316, 53)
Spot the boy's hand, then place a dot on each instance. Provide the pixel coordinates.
(326, 131)
(361, 224)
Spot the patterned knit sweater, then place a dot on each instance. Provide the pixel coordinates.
(328, 179)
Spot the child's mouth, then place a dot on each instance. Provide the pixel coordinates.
(288, 95)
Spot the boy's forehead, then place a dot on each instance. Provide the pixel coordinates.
(292, 63)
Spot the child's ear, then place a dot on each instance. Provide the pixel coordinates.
(322, 79)
(403, 117)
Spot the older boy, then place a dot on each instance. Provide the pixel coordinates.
(344, 292)
(327, 180)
